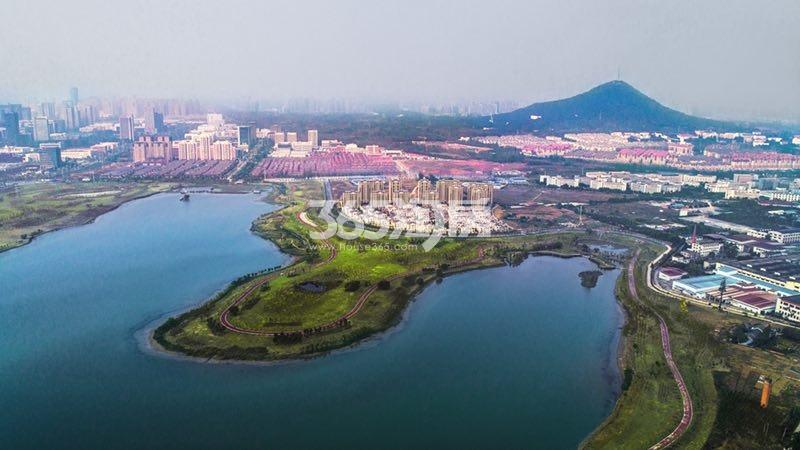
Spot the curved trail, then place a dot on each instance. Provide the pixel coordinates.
(224, 317)
(688, 408)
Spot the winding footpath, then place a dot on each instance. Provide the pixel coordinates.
(688, 408)
(224, 317)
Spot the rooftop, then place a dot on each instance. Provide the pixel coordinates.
(755, 300)
(672, 271)
(781, 267)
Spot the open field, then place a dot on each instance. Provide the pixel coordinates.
(32, 209)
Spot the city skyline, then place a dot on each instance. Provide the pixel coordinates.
(457, 52)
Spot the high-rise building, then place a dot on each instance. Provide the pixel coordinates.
(222, 150)
(423, 190)
(73, 96)
(87, 115)
(69, 115)
(394, 191)
(246, 135)
(291, 136)
(480, 194)
(204, 142)
(126, 128)
(11, 123)
(279, 137)
(41, 129)
(367, 188)
(50, 155)
(153, 122)
(313, 138)
(152, 147)
(187, 150)
(455, 192)
(48, 109)
(443, 189)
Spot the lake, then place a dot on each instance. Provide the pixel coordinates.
(508, 357)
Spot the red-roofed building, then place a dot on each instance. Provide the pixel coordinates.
(748, 297)
(643, 156)
(670, 274)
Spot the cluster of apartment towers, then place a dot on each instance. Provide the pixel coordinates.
(379, 193)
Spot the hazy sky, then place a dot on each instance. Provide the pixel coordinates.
(723, 58)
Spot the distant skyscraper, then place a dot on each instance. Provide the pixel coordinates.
(69, 115)
(11, 123)
(291, 136)
(246, 134)
(41, 129)
(126, 128)
(73, 96)
(153, 122)
(87, 115)
(48, 109)
(313, 138)
(215, 120)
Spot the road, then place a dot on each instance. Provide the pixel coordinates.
(688, 407)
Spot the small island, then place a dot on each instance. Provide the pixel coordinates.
(589, 278)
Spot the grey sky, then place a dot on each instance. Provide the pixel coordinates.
(723, 58)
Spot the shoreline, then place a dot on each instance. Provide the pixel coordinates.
(92, 219)
(613, 370)
(152, 346)
(84, 223)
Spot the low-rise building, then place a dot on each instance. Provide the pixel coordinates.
(671, 274)
(789, 308)
(785, 235)
(705, 247)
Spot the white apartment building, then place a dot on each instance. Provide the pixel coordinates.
(789, 308)
(704, 247)
(785, 236)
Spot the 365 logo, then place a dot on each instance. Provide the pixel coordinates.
(348, 228)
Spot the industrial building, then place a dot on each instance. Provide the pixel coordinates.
(781, 271)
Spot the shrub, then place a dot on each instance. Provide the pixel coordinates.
(352, 286)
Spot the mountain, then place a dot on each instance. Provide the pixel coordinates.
(612, 106)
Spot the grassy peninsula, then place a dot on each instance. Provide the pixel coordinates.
(307, 308)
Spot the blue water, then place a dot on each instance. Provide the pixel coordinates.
(518, 357)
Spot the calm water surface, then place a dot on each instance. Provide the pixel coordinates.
(507, 357)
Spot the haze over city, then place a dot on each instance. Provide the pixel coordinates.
(400, 224)
(722, 59)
